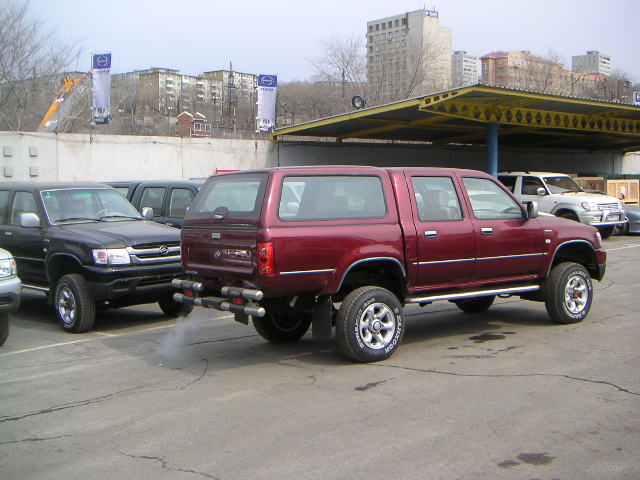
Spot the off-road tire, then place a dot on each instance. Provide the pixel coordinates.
(370, 325)
(568, 293)
(4, 327)
(475, 305)
(173, 309)
(282, 327)
(75, 309)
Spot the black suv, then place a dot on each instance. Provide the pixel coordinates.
(86, 246)
(169, 199)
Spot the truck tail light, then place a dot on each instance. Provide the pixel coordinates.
(266, 259)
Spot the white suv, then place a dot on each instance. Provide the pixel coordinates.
(559, 195)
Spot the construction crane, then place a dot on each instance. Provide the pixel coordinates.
(74, 88)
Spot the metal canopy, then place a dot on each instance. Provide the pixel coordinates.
(461, 116)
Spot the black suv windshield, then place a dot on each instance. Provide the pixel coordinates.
(86, 204)
(562, 184)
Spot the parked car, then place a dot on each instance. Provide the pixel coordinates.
(560, 195)
(169, 199)
(86, 246)
(9, 292)
(282, 247)
(633, 216)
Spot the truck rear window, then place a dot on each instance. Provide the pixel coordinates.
(240, 194)
(331, 197)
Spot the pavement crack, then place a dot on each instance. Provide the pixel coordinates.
(165, 466)
(515, 375)
(66, 406)
(37, 439)
(204, 372)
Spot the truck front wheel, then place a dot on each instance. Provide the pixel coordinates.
(370, 325)
(568, 293)
(74, 306)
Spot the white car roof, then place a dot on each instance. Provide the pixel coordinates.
(537, 174)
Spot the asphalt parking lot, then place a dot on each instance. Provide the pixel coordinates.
(501, 395)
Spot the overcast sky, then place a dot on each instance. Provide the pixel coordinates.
(282, 36)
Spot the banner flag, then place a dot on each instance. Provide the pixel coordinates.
(101, 82)
(266, 118)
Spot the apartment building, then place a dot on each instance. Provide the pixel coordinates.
(408, 54)
(593, 62)
(464, 69)
(521, 70)
(168, 91)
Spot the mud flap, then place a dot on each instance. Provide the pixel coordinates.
(321, 326)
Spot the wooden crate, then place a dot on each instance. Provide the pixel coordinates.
(627, 190)
(592, 183)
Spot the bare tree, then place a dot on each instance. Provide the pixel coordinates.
(30, 58)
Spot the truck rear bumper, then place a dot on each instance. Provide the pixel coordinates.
(232, 299)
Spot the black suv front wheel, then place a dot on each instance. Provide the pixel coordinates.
(74, 306)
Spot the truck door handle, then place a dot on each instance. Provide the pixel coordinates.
(431, 233)
(486, 230)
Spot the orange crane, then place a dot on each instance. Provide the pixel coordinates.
(68, 95)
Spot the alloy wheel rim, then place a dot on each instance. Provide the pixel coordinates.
(576, 294)
(377, 325)
(67, 306)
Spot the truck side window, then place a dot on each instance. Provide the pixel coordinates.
(436, 199)
(331, 197)
(489, 201)
(530, 185)
(23, 202)
(509, 182)
(179, 201)
(152, 197)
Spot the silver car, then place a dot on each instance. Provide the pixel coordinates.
(633, 215)
(10, 287)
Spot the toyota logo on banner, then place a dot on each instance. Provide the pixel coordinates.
(267, 81)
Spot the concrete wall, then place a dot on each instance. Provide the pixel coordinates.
(72, 157)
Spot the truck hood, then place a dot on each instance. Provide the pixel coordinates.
(589, 197)
(124, 233)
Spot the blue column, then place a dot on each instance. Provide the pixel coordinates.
(492, 149)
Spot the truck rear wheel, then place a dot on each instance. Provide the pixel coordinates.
(370, 325)
(282, 327)
(74, 306)
(568, 293)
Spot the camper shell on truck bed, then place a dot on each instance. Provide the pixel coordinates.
(348, 246)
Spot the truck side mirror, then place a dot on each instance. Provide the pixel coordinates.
(29, 220)
(147, 213)
(532, 208)
(541, 191)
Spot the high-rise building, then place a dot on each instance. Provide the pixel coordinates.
(592, 63)
(408, 55)
(464, 69)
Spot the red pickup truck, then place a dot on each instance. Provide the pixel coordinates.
(349, 246)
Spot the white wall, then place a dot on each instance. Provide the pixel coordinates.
(73, 157)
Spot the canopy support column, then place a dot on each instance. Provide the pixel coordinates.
(492, 149)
